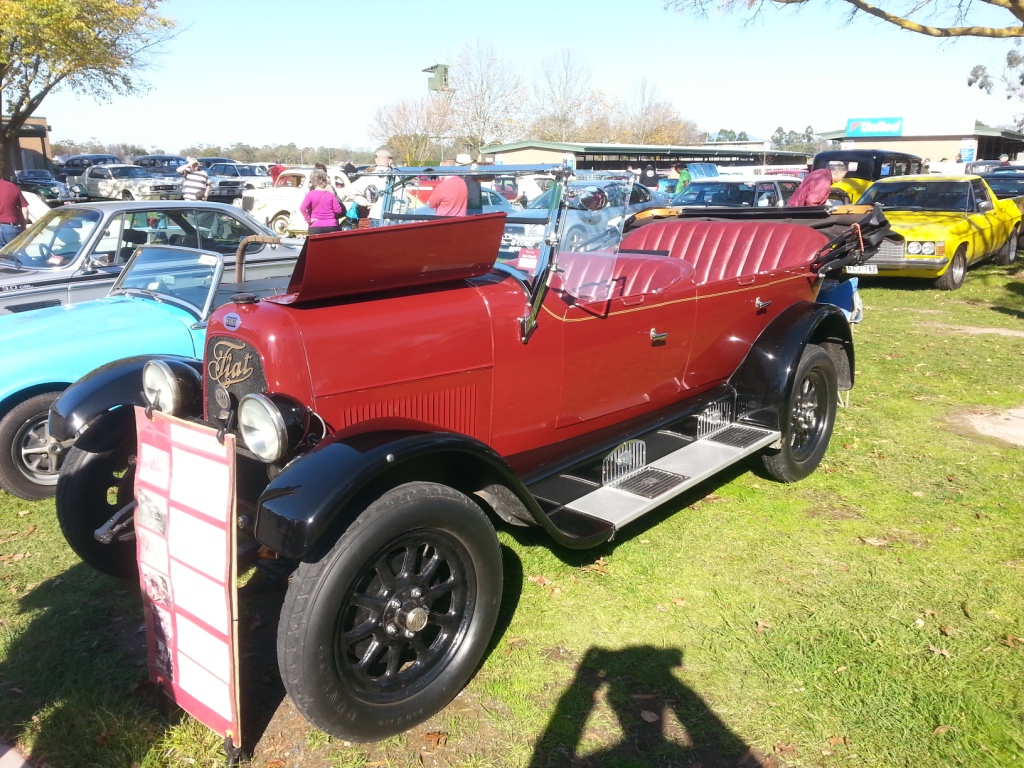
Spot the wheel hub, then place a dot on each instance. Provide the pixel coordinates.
(406, 613)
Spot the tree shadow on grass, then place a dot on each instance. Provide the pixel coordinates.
(626, 708)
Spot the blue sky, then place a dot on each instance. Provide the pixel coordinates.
(314, 71)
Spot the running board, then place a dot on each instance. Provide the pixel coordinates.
(639, 492)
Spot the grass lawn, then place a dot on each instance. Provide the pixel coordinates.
(871, 615)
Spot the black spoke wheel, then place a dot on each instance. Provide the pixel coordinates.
(388, 626)
(91, 489)
(29, 459)
(808, 418)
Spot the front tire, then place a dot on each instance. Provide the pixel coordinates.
(28, 466)
(808, 418)
(1006, 255)
(386, 628)
(126, 195)
(279, 224)
(955, 273)
(91, 489)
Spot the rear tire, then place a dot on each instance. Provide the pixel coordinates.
(387, 627)
(954, 275)
(28, 469)
(1006, 255)
(808, 418)
(126, 195)
(91, 489)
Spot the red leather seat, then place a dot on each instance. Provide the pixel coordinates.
(723, 250)
(601, 275)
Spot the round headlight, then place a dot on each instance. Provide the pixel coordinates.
(913, 248)
(261, 427)
(160, 387)
(928, 248)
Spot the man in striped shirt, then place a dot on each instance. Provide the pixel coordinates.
(196, 182)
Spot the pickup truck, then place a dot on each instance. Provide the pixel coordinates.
(126, 182)
(941, 225)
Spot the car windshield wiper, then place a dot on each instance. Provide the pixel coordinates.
(12, 260)
(144, 292)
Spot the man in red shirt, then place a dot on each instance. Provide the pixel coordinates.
(13, 211)
(450, 197)
(276, 169)
(814, 189)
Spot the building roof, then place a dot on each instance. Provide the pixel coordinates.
(980, 129)
(587, 148)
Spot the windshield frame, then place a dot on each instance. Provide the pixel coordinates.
(201, 313)
(896, 187)
(40, 227)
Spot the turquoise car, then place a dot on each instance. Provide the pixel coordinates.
(159, 305)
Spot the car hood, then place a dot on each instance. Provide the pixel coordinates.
(60, 344)
(925, 225)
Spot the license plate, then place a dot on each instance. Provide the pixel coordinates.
(165, 197)
(862, 269)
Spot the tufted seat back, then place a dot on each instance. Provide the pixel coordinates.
(725, 250)
(601, 276)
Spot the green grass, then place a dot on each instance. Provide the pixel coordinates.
(884, 588)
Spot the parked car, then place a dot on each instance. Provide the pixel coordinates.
(77, 164)
(422, 382)
(940, 226)
(737, 191)
(126, 182)
(75, 252)
(1006, 183)
(206, 162)
(865, 166)
(43, 183)
(250, 176)
(160, 165)
(225, 187)
(160, 303)
(278, 206)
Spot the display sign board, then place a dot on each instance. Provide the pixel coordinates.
(874, 126)
(968, 150)
(186, 547)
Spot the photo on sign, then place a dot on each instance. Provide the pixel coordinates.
(152, 511)
(156, 586)
(163, 636)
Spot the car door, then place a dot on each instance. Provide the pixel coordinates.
(786, 190)
(627, 324)
(100, 182)
(988, 230)
(766, 195)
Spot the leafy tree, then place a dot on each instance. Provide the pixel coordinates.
(93, 47)
(807, 141)
(742, 136)
(725, 134)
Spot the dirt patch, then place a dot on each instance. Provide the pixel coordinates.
(1007, 426)
(975, 330)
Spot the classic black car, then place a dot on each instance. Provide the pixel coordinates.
(51, 191)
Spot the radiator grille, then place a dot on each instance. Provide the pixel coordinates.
(891, 249)
(231, 366)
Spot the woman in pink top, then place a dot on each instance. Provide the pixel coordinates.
(320, 207)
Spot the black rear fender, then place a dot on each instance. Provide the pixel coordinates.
(765, 376)
(96, 407)
(309, 505)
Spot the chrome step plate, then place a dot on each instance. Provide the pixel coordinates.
(691, 464)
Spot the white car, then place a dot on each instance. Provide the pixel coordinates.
(126, 182)
(278, 206)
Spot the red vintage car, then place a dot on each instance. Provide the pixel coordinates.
(419, 384)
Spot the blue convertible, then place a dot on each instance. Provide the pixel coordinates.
(159, 304)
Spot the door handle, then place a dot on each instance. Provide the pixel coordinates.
(761, 304)
(658, 338)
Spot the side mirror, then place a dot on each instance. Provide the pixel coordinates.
(985, 206)
(592, 198)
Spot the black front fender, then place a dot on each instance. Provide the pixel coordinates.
(102, 392)
(765, 376)
(312, 497)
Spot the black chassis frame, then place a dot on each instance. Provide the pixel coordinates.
(305, 507)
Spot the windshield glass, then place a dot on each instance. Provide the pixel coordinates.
(55, 240)
(593, 209)
(252, 170)
(919, 195)
(716, 193)
(34, 175)
(181, 276)
(1006, 185)
(129, 172)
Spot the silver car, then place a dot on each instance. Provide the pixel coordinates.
(75, 252)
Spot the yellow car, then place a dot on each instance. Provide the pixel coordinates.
(864, 167)
(940, 226)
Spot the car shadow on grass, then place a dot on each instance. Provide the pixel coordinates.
(627, 707)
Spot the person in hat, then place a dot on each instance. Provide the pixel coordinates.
(1004, 160)
(196, 181)
(367, 191)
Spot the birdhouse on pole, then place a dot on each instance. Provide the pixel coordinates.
(438, 80)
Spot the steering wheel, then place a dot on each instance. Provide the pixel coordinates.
(45, 252)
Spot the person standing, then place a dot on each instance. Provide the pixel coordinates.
(320, 207)
(196, 181)
(13, 211)
(684, 176)
(450, 197)
(368, 190)
(649, 177)
(814, 189)
(276, 170)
